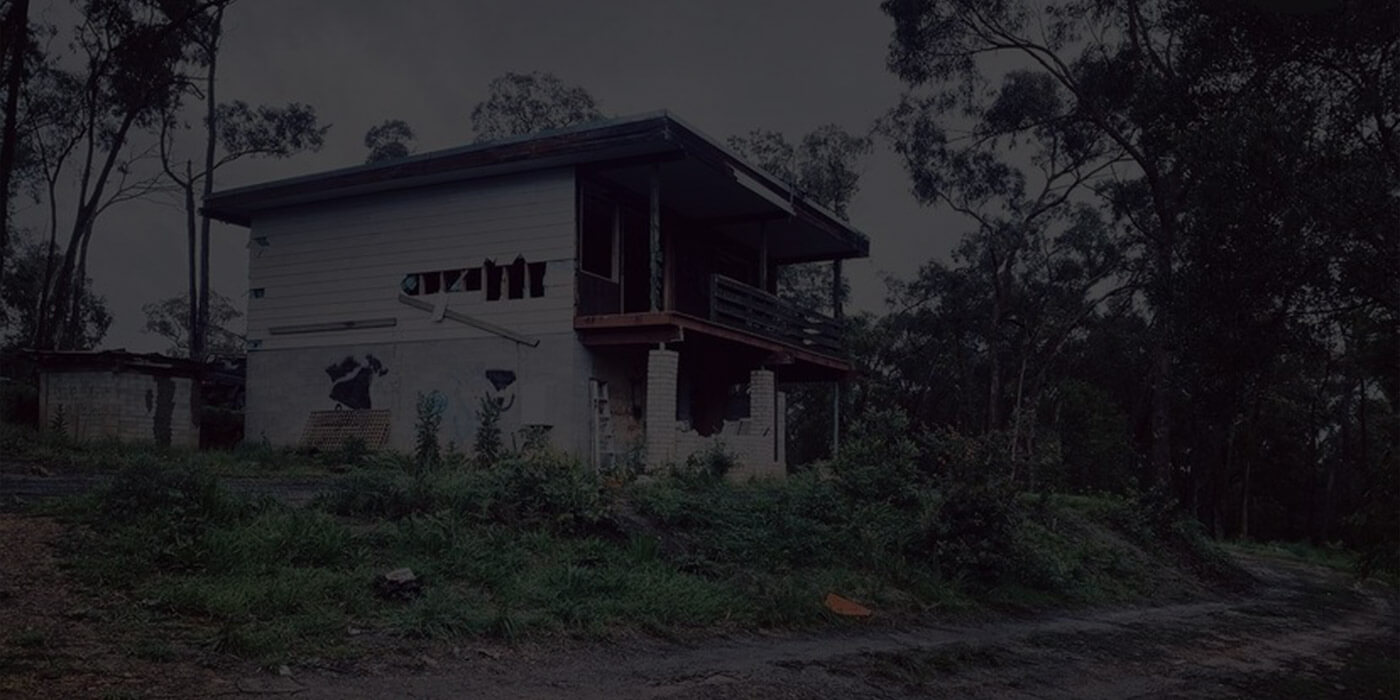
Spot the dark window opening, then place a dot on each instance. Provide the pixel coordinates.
(597, 231)
(257, 292)
(636, 263)
(471, 281)
(410, 285)
(537, 279)
(516, 280)
(493, 280)
(432, 282)
(452, 280)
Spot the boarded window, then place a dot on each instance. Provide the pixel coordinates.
(597, 234)
(537, 279)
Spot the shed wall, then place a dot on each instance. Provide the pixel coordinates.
(126, 405)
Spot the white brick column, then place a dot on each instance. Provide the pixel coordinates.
(660, 424)
(762, 413)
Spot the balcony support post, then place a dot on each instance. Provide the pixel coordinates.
(763, 256)
(654, 236)
(835, 386)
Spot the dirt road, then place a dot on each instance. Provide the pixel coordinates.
(1297, 632)
(1301, 632)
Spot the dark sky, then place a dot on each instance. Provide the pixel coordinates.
(724, 66)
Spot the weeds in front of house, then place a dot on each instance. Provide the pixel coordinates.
(56, 451)
(535, 542)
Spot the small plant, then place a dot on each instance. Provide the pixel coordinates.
(488, 443)
(430, 409)
(714, 460)
(58, 424)
(353, 450)
(534, 439)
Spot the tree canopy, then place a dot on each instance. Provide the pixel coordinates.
(525, 103)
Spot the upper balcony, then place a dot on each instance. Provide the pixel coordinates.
(727, 308)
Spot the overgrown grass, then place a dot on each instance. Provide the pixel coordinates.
(1331, 557)
(537, 544)
(56, 452)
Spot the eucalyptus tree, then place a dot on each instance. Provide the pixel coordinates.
(525, 103)
(230, 132)
(389, 140)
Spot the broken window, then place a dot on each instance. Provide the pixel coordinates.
(537, 279)
(493, 280)
(509, 281)
(432, 282)
(516, 280)
(257, 292)
(471, 280)
(597, 236)
(452, 280)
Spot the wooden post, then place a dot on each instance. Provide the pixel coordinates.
(836, 386)
(763, 255)
(654, 237)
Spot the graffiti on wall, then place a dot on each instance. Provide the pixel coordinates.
(351, 379)
(501, 381)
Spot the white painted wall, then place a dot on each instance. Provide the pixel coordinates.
(344, 260)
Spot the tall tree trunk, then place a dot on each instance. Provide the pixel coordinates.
(1160, 372)
(41, 312)
(201, 332)
(73, 333)
(16, 35)
(192, 322)
(1244, 502)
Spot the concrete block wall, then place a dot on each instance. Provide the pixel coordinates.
(754, 441)
(125, 405)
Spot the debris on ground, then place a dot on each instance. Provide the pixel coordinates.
(399, 584)
(845, 606)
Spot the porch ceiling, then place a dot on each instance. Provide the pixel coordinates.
(790, 363)
(739, 207)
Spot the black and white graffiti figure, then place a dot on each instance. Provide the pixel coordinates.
(351, 378)
(501, 379)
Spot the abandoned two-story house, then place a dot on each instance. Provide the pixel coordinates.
(610, 286)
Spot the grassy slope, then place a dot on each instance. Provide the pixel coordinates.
(539, 546)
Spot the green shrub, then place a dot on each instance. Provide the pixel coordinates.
(185, 497)
(713, 461)
(426, 452)
(548, 490)
(487, 444)
(380, 494)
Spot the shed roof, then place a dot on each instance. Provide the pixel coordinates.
(87, 360)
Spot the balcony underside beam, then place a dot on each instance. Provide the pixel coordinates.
(642, 328)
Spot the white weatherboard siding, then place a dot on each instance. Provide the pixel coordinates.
(344, 260)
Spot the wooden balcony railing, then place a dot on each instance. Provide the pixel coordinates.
(737, 305)
(598, 295)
